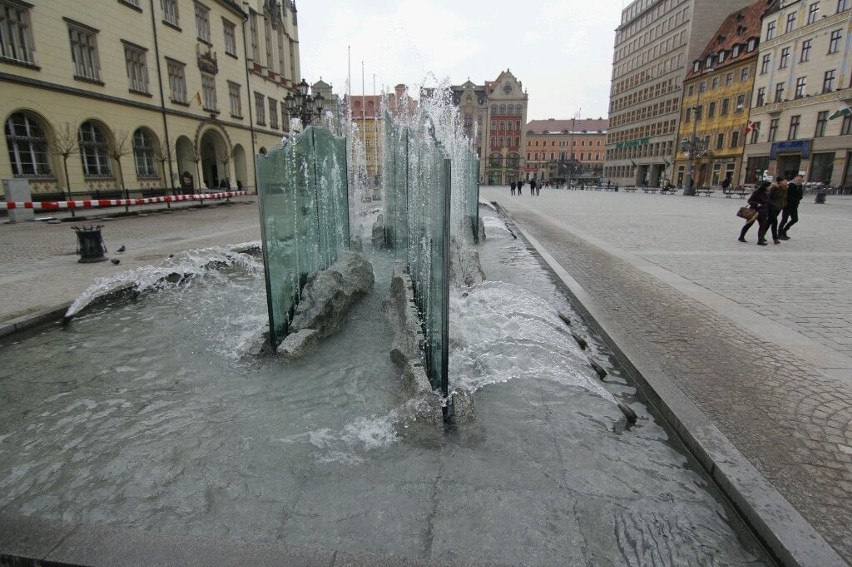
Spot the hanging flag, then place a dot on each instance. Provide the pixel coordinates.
(843, 111)
(198, 97)
(752, 127)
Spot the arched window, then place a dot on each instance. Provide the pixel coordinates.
(493, 109)
(495, 160)
(143, 154)
(513, 160)
(502, 109)
(94, 150)
(28, 148)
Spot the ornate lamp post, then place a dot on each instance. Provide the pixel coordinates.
(304, 106)
(693, 147)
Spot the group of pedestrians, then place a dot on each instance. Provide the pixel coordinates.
(769, 201)
(535, 188)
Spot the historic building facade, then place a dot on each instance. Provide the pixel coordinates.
(715, 108)
(803, 79)
(156, 95)
(566, 150)
(494, 115)
(654, 45)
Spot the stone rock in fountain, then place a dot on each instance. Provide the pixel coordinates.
(325, 301)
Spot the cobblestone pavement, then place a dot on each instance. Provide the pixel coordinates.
(758, 338)
(38, 261)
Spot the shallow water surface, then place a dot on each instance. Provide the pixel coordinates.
(145, 414)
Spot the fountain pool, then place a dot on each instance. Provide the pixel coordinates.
(144, 414)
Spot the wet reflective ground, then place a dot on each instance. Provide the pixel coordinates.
(143, 414)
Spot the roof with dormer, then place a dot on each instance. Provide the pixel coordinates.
(738, 29)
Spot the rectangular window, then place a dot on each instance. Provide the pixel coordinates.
(202, 22)
(822, 120)
(726, 103)
(764, 64)
(137, 70)
(208, 92)
(846, 126)
(842, 5)
(255, 41)
(273, 112)
(170, 11)
(16, 42)
(813, 10)
(729, 79)
(828, 81)
(267, 39)
(800, 87)
(84, 52)
(282, 52)
(761, 96)
(755, 132)
(735, 138)
(834, 41)
(229, 29)
(744, 74)
(773, 130)
(260, 109)
(234, 100)
(779, 92)
(785, 56)
(711, 110)
(791, 22)
(740, 102)
(720, 141)
(177, 82)
(770, 30)
(806, 51)
(793, 133)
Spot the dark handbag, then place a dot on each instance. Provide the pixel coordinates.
(746, 213)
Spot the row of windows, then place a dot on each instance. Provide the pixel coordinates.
(648, 93)
(656, 149)
(581, 156)
(504, 125)
(790, 20)
(724, 106)
(794, 126)
(742, 75)
(662, 128)
(564, 143)
(506, 109)
(30, 149)
(651, 111)
(503, 141)
(16, 45)
(657, 50)
(722, 56)
(829, 83)
(834, 42)
(496, 160)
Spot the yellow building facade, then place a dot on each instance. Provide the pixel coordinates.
(717, 94)
(150, 96)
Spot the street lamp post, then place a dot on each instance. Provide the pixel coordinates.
(303, 106)
(692, 147)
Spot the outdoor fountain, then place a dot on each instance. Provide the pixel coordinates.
(152, 414)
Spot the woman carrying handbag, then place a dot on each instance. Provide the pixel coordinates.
(758, 203)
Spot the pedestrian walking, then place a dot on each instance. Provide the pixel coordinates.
(520, 185)
(777, 202)
(790, 213)
(758, 203)
(532, 187)
(512, 187)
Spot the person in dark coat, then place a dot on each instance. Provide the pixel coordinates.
(758, 203)
(790, 214)
(520, 185)
(512, 187)
(777, 202)
(532, 187)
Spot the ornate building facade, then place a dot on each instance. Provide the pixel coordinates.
(654, 45)
(566, 150)
(157, 95)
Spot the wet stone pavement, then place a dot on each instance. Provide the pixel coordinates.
(758, 338)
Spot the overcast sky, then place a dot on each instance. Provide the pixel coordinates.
(560, 50)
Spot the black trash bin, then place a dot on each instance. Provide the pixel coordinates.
(90, 243)
(820, 197)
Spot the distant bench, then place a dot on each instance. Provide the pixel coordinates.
(668, 191)
(738, 191)
(630, 189)
(706, 191)
(650, 189)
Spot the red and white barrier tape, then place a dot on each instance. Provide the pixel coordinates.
(100, 203)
